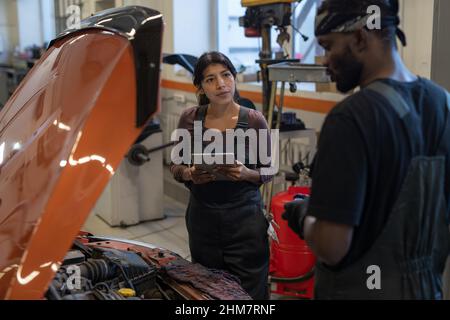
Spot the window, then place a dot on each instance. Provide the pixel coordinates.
(231, 40)
(244, 51)
(305, 46)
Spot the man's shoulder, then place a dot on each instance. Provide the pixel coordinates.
(436, 92)
(355, 102)
(365, 99)
(433, 87)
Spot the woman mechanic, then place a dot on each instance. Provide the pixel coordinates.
(225, 221)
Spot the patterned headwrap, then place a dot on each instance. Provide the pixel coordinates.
(329, 22)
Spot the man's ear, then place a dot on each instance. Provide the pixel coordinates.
(360, 41)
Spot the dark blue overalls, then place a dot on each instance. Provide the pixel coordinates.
(227, 228)
(413, 247)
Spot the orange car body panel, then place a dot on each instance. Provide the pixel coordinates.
(63, 133)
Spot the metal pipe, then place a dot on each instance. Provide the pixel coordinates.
(280, 107)
(166, 145)
(277, 126)
(266, 53)
(273, 94)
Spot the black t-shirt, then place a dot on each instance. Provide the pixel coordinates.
(364, 154)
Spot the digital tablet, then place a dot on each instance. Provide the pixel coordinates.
(221, 159)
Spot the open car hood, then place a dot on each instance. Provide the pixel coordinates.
(63, 134)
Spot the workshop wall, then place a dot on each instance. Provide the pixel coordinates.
(30, 28)
(198, 24)
(8, 29)
(441, 47)
(417, 22)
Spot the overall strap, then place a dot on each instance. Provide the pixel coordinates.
(409, 118)
(242, 122)
(201, 113)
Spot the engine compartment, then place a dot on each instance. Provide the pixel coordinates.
(102, 274)
(102, 269)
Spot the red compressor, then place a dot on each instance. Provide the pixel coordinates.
(291, 261)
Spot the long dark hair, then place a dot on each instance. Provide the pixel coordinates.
(204, 62)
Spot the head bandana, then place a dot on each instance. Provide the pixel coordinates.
(330, 22)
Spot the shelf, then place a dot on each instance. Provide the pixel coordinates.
(297, 72)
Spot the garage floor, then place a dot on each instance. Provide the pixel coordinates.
(169, 233)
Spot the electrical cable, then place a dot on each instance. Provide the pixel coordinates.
(304, 37)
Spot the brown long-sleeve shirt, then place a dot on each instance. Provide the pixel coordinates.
(255, 120)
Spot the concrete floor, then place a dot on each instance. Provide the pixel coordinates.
(169, 233)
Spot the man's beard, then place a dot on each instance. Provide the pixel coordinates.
(349, 72)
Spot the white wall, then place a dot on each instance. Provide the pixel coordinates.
(195, 25)
(30, 28)
(36, 22)
(8, 29)
(440, 69)
(3, 32)
(417, 23)
(48, 20)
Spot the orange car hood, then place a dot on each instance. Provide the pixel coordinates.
(64, 132)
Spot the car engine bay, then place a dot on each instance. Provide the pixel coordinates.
(109, 269)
